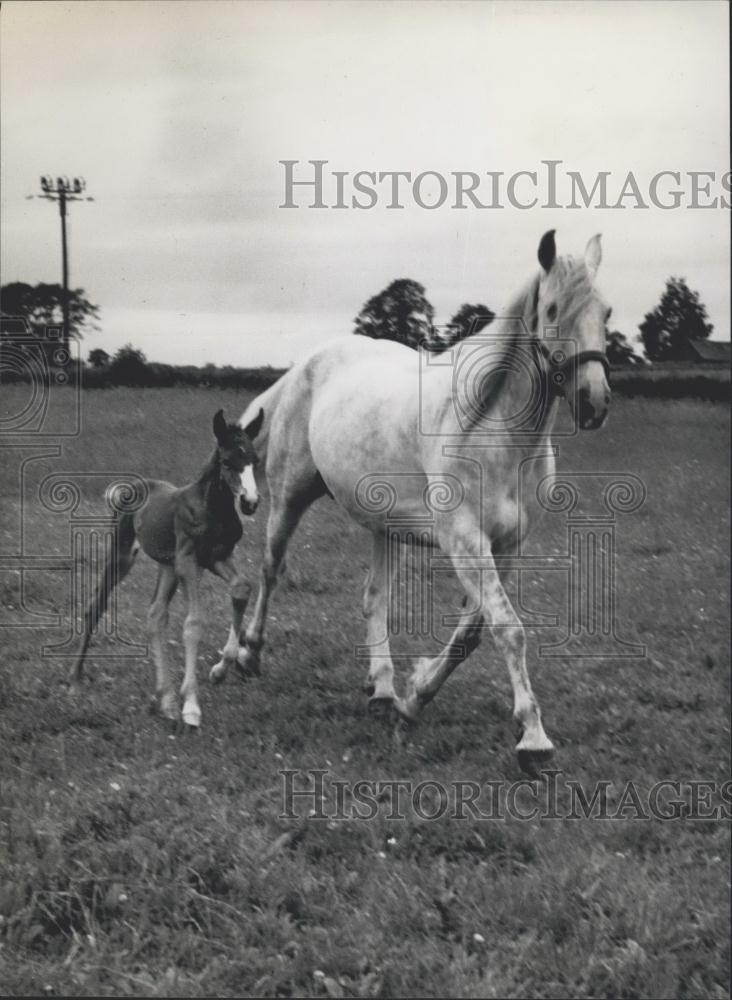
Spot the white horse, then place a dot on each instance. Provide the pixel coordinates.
(360, 406)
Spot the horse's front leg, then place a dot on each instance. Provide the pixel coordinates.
(489, 596)
(189, 573)
(240, 590)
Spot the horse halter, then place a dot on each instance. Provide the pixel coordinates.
(559, 363)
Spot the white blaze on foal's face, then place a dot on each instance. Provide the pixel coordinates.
(248, 493)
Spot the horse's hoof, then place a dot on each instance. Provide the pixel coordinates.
(533, 762)
(403, 729)
(192, 718)
(247, 663)
(380, 705)
(217, 673)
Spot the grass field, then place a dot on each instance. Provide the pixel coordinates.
(139, 861)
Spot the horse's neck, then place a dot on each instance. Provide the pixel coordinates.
(500, 397)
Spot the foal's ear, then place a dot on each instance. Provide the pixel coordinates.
(254, 426)
(593, 255)
(219, 426)
(547, 250)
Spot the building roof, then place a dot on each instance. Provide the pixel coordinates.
(711, 350)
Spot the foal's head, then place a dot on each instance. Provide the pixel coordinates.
(571, 319)
(237, 458)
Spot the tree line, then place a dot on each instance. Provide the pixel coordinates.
(401, 312)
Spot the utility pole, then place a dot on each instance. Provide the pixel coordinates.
(63, 191)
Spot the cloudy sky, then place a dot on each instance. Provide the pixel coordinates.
(178, 113)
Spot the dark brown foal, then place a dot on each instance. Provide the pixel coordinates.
(185, 531)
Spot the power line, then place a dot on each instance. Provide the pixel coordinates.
(63, 190)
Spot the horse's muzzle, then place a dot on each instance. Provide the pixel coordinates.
(591, 413)
(248, 506)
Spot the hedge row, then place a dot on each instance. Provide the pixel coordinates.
(154, 375)
(652, 381)
(656, 383)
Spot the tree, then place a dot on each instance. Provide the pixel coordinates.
(400, 312)
(42, 305)
(129, 366)
(98, 358)
(619, 351)
(678, 318)
(468, 320)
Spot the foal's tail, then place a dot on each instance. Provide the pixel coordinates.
(118, 564)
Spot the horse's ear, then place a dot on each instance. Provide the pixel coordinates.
(254, 426)
(219, 426)
(593, 255)
(547, 250)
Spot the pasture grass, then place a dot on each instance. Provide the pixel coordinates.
(135, 860)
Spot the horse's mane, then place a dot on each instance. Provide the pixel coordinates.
(520, 319)
(575, 287)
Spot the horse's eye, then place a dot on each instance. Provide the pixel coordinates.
(608, 314)
(551, 312)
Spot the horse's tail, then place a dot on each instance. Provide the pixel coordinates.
(266, 401)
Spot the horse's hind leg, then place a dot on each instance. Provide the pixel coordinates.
(118, 565)
(282, 521)
(379, 684)
(429, 675)
(157, 619)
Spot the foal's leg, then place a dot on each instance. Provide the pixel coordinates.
(240, 591)
(116, 569)
(190, 575)
(157, 618)
(534, 745)
(379, 685)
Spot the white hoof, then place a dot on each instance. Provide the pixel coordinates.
(535, 742)
(192, 716)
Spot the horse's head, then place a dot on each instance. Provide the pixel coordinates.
(570, 322)
(237, 459)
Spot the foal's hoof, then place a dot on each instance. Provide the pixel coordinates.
(533, 762)
(168, 708)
